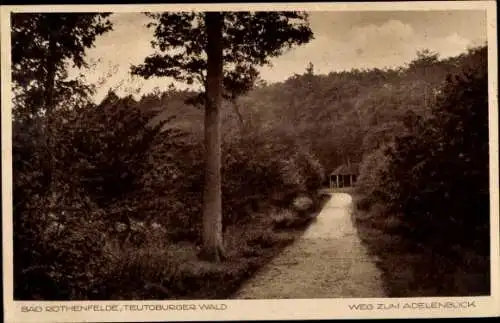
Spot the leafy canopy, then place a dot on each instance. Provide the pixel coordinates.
(43, 42)
(250, 39)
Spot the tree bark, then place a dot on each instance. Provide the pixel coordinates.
(213, 249)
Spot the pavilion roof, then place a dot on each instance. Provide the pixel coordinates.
(346, 169)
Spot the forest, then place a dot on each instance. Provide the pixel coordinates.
(108, 197)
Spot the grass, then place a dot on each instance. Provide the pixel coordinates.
(413, 269)
(173, 271)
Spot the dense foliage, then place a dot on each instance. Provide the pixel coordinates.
(52, 41)
(61, 225)
(249, 39)
(437, 175)
(426, 190)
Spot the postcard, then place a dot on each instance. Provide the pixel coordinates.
(287, 161)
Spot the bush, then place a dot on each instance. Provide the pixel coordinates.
(249, 175)
(371, 181)
(283, 218)
(448, 158)
(144, 271)
(436, 174)
(302, 203)
(28, 155)
(64, 196)
(312, 169)
(57, 247)
(255, 169)
(171, 189)
(105, 147)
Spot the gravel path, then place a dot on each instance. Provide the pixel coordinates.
(328, 261)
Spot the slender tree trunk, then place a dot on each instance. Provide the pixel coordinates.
(213, 249)
(49, 106)
(237, 111)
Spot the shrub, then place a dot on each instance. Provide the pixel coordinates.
(312, 169)
(447, 158)
(372, 177)
(255, 169)
(61, 222)
(436, 175)
(171, 189)
(131, 271)
(57, 247)
(249, 176)
(105, 147)
(302, 203)
(28, 154)
(283, 218)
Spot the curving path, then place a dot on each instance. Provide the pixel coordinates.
(328, 261)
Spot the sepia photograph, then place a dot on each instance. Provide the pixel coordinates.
(248, 154)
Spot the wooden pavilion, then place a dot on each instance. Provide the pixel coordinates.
(344, 176)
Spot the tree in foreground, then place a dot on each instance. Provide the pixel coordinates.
(43, 45)
(219, 51)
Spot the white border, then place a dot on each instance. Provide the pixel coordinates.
(254, 309)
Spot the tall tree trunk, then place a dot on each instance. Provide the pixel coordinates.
(213, 249)
(49, 107)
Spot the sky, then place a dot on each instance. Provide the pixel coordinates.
(342, 41)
